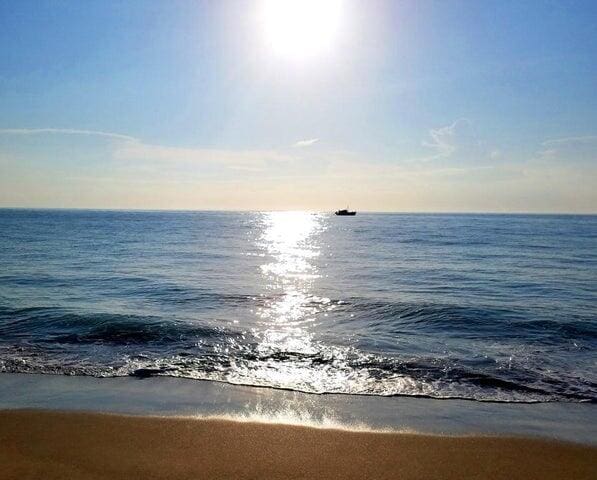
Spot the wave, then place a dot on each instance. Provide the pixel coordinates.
(465, 321)
(375, 317)
(331, 370)
(468, 385)
(55, 325)
(73, 342)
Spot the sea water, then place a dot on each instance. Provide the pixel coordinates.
(481, 307)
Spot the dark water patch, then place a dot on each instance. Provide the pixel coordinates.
(149, 372)
(58, 325)
(465, 321)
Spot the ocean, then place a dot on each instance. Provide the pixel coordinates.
(481, 307)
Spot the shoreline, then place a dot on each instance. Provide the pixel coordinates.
(54, 444)
(167, 396)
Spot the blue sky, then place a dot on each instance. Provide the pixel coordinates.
(415, 106)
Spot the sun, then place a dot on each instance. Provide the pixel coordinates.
(298, 29)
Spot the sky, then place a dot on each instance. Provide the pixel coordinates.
(414, 106)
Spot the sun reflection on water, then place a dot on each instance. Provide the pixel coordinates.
(291, 241)
(289, 351)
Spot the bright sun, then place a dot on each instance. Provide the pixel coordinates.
(301, 28)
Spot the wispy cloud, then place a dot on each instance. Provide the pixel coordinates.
(249, 160)
(306, 143)
(571, 148)
(570, 140)
(547, 153)
(443, 140)
(65, 131)
(135, 150)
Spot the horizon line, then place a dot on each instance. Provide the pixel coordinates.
(216, 210)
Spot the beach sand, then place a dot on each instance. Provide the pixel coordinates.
(69, 445)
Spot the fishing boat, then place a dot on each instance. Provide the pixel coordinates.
(345, 212)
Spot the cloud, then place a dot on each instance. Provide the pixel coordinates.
(65, 131)
(570, 140)
(444, 140)
(248, 160)
(135, 150)
(305, 143)
(581, 148)
(156, 176)
(548, 153)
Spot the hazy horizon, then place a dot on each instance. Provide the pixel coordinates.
(216, 210)
(393, 107)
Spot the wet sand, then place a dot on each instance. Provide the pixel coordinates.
(59, 445)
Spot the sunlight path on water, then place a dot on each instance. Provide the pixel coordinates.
(291, 240)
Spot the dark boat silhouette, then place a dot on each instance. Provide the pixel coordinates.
(345, 212)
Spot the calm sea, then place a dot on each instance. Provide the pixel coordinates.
(485, 307)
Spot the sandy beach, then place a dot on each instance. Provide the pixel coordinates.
(59, 445)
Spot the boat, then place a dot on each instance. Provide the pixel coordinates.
(345, 212)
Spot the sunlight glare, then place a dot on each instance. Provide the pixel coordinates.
(301, 28)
